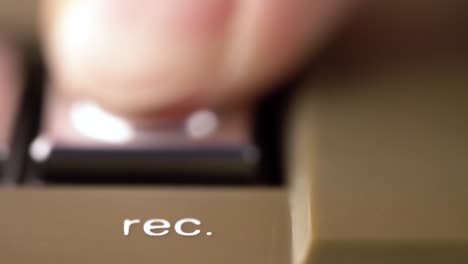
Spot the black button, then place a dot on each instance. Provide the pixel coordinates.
(79, 142)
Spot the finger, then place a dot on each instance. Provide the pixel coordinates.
(153, 56)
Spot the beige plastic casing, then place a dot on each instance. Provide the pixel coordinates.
(85, 225)
(379, 167)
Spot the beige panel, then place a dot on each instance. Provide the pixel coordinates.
(379, 167)
(85, 225)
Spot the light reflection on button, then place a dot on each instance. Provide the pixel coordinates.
(40, 149)
(92, 121)
(201, 124)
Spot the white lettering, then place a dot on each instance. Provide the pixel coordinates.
(153, 224)
(128, 223)
(180, 223)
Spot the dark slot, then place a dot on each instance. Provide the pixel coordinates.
(25, 123)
